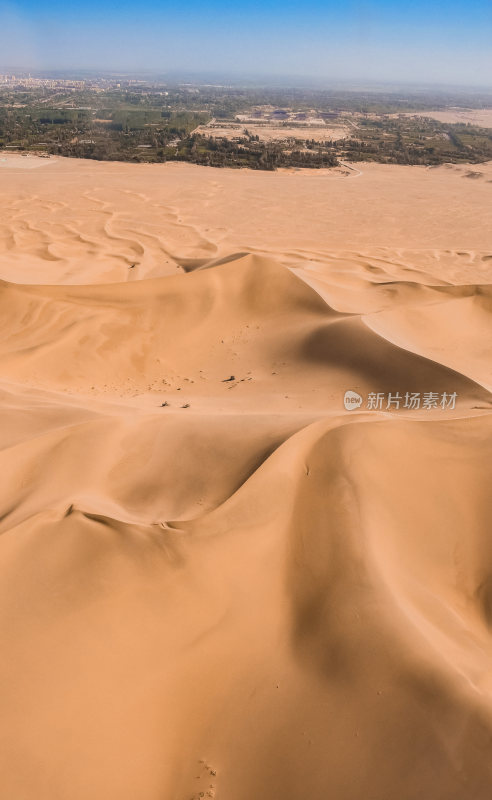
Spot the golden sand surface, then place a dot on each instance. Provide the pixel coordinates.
(215, 579)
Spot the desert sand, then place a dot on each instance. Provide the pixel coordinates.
(216, 580)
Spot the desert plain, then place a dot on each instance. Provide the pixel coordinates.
(215, 579)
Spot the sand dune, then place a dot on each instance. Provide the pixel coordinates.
(217, 581)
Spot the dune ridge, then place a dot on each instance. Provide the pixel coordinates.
(216, 580)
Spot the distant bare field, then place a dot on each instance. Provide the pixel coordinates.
(274, 132)
(480, 117)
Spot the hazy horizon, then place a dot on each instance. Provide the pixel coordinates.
(247, 80)
(379, 41)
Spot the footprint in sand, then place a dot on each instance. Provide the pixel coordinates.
(207, 784)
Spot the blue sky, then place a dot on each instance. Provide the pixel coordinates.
(370, 40)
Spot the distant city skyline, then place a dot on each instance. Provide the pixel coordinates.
(446, 43)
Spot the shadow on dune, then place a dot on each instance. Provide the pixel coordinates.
(370, 359)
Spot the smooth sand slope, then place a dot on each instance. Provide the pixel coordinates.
(216, 581)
